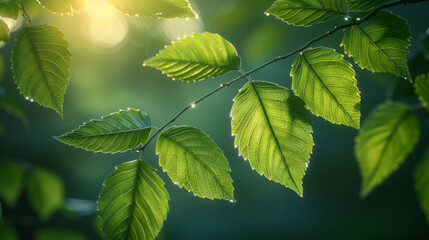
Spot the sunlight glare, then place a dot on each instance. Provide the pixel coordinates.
(175, 28)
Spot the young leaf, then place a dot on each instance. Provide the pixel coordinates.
(383, 143)
(133, 203)
(10, 9)
(421, 87)
(11, 182)
(63, 6)
(41, 65)
(193, 160)
(422, 184)
(327, 84)
(4, 32)
(155, 8)
(362, 5)
(307, 12)
(380, 44)
(45, 192)
(272, 130)
(196, 57)
(10, 105)
(117, 132)
(55, 234)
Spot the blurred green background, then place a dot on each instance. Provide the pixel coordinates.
(108, 50)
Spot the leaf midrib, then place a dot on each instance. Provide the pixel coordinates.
(107, 134)
(327, 89)
(163, 59)
(133, 199)
(316, 9)
(274, 137)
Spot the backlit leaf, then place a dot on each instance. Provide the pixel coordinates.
(272, 130)
(422, 184)
(133, 203)
(361, 5)
(421, 87)
(10, 9)
(196, 57)
(155, 8)
(383, 143)
(10, 105)
(307, 12)
(4, 32)
(117, 132)
(41, 65)
(193, 160)
(45, 192)
(380, 44)
(63, 6)
(55, 234)
(327, 84)
(11, 182)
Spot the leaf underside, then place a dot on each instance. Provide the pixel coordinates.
(327, 84)
(196, 57)
(117, 132)
(380, 44)
(133, 203)
(41, 65)
(63, 6)
(383, 143)
(361, 5)
(421, 87)
(155, 8)
(307, 12)
(422, 184)
(10, 9)
(193, 160)
(272, 130)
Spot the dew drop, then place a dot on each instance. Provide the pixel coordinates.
(231, 201)
(405, 78)
(346, 18)
(31, 100)
(358, 19)
(187, 19)
(27, 98)
(267, 14)
(193, 105)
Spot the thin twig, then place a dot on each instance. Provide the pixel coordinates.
(24, 12)
(327, 34)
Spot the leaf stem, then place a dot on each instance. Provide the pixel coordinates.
(335, 29)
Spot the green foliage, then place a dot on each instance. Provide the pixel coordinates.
(55, 234)
(10, 9)
(384, 141)
(63, 6)
(422, 184)
(327, 84)
(421, 87)
(11, 182)
(4, 32)
(307, 12)
(45, 192)
(41, 65)
(10, 105)
(196, 57)
(193, 160)
(155, 8)
(361, 5)
(117, 132)
(380, 44)
(1, 214)
(272, 130)
(8, 233)
(425, 44)
(133, 203)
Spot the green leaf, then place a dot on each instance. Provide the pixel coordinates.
(307, 12)
(193, 160)
(4, 32)
(155, 8)
(362, 5)
(10, 105)
(10, 9)
(8, 233)
(383, 143)
(196, 57)
(117, 132)
(133, 203)
(41, 65)
(45, 192)
(63, 6)
(1, 214)
(380, 44)
(327, 84)
(421, 87)
(55, 234)
(11, 182)
(272, 130)
(422, 184)
(425, 44)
